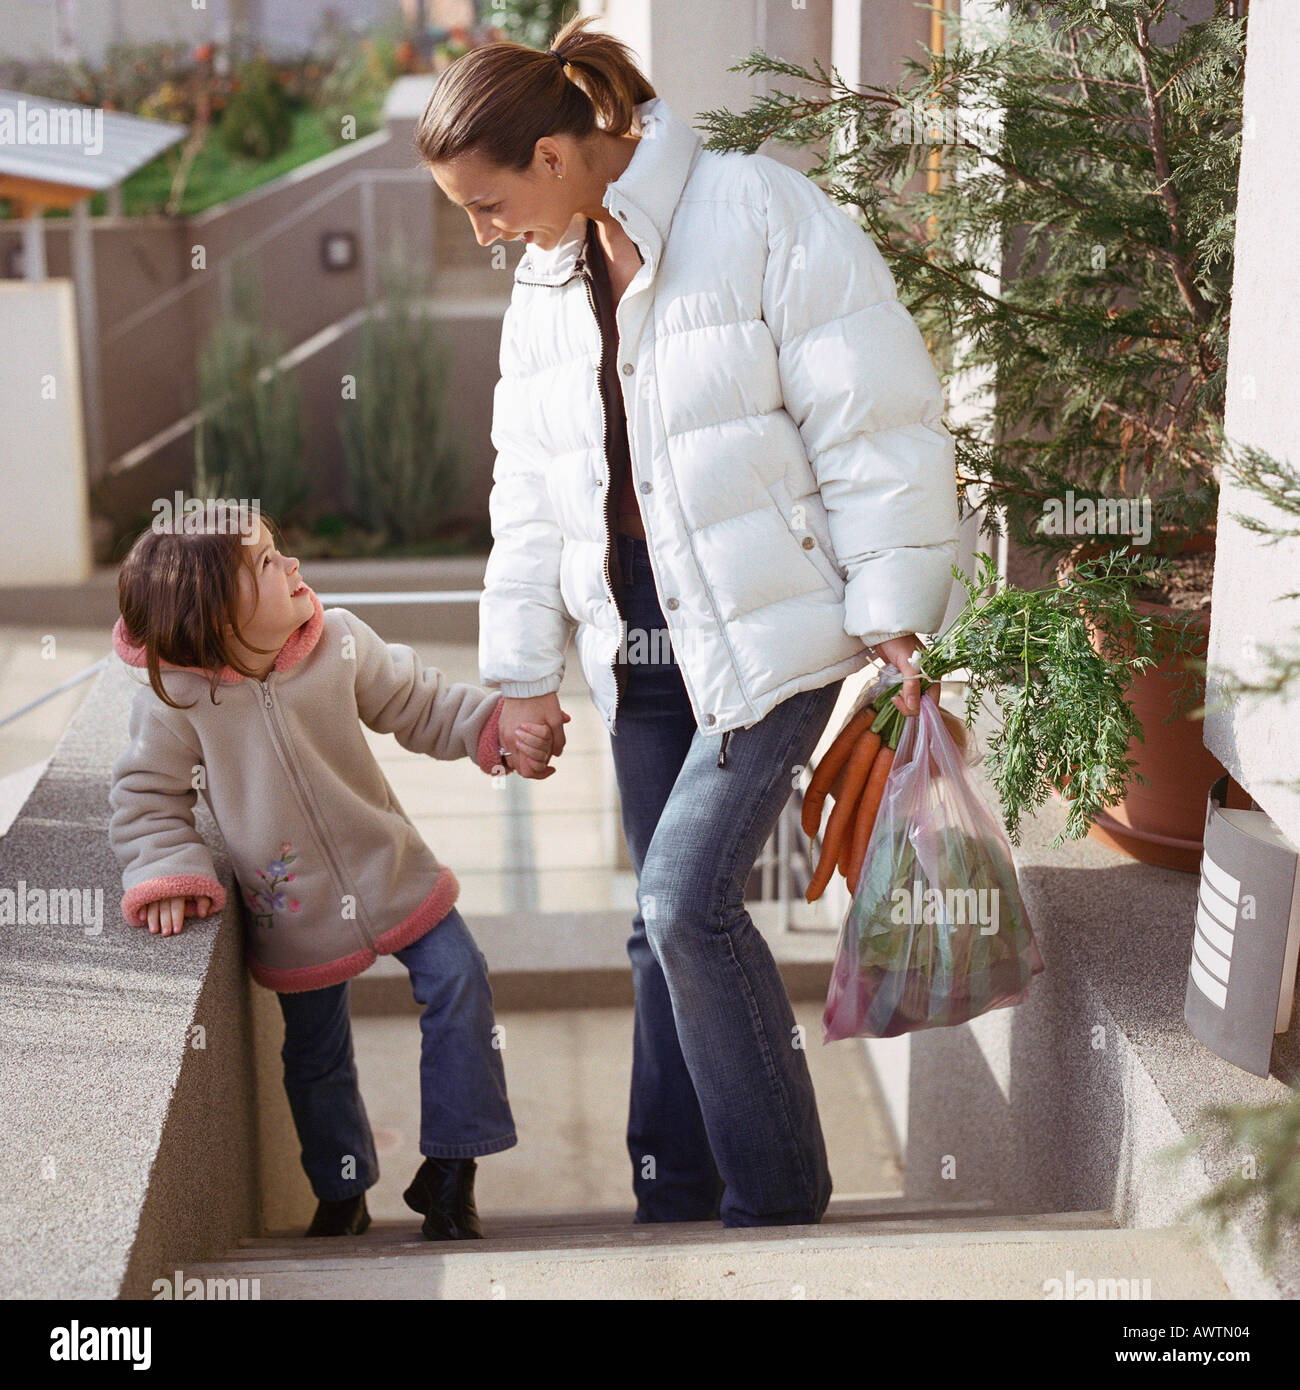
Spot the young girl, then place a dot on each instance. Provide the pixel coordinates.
(256, 697)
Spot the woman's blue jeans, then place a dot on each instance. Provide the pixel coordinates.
(723, 1120)
(464, 1110)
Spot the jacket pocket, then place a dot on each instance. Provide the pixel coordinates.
(813, 538)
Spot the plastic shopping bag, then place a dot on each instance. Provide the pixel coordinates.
(937, 931)
(889, 676)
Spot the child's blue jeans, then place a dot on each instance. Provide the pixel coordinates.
(723, 1120)
(464, 1110)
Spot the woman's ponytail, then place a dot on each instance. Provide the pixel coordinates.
(499, 100)
(605, 70)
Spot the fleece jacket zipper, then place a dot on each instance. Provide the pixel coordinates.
(284, 750)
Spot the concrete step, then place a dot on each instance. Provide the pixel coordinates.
(859, 1251)
(570, 1225)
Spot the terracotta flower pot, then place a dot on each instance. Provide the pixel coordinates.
(1163, 821)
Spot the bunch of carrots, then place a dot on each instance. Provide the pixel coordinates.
(855, 770)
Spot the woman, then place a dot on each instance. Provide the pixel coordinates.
(715, 424)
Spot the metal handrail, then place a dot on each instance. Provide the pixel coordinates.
(363, 177)
(313, 204)
(294, 357)
(406, 596)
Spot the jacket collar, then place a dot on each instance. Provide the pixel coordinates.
(296, 649)
(643, 197)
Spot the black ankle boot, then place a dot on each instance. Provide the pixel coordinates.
(348, 1217)
(443, 1193)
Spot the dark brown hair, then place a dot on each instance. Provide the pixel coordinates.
(177, 589)
(499, 100)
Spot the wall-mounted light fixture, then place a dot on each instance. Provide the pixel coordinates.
(1242, 973)
(338, 251)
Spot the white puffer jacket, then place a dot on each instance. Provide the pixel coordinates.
(796, 483)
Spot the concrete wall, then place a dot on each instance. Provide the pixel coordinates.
(158, 281)
(872, 38)
(156, 306)
(130, 1144)
(1256, 741)
(686, 50)
(44, 529)
(285, 1197)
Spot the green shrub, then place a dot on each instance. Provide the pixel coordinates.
(258, 122)
(402, 461)
(351, 94)
(532, 22)
(249, 442)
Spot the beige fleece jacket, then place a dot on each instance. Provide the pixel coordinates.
(331, 869)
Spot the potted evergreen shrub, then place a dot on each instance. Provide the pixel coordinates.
(1055, 196)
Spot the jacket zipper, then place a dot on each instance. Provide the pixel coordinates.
(286, 753)
(609, 477)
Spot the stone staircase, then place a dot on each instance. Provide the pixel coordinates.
(886, 1248)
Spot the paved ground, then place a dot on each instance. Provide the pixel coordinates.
(31, 663)
(570, 819)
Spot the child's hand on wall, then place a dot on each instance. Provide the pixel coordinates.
(167, 915)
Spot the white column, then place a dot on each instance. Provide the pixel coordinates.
(847, 18)
(34, 246)
(1255, 739)
(83, 278)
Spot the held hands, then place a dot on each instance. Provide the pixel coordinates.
(532, 750)
(167, 915)
(521, 733)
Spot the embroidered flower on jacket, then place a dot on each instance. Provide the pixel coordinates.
(272, 897)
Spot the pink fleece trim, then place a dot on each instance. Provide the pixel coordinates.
(297, 648)
(153, 890)
(307, 977)
(302, 641)
(430, 912)
(489, 740)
